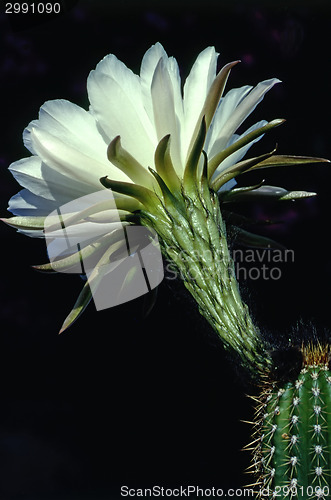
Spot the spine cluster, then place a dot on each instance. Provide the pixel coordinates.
(293, 436)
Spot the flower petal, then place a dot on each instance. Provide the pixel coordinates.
(226, 108)
(28, 204)
(165, 118)
(196, 88)
(243, 109)
(70, 124)
(147, 70)
(116, 101)
(71, 161)
(46, 182)
(77, 130)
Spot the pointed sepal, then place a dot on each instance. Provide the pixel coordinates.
(288, 161)
(263, 193)
(144, 195)
(191, 168)
(237, 169)
(216, 91)
(164, 165)
(80, 305)
(243, 141)
(28, 223)
(170, 201)
(123, 160)
(65, 264)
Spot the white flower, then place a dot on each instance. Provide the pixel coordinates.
(69, 144)
(163, 150)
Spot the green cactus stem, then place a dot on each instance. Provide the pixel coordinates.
(193, 239)
(292, 447)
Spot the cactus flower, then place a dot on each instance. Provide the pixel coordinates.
(118, 136)
(170, 155)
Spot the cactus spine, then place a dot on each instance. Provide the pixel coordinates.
(292, 452)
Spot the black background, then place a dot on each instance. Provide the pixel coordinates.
(119, 398)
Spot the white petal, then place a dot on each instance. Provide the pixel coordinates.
(30, 232)
(196, 88)
(165, 118)
(149, 73)
(72, 125)
(46, 182)
(147, 70)
(26, 203)
(75, 130)
(173, 70)
(72, 162)
(244, 108)
(222, 115)
(116, 100)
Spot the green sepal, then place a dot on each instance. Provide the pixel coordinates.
(215, 92)
(170, 201)
(80, 305)
(263, 161)
(64, 264)
(204, 172)
(164, 165)
(288, 160)
(127, 203)
(31, 223)
(296, 195)
(235, 194)
(192, 164)
(93, 281)
(237, 169)
(90, 213)
(38, 223)
(264, 193)
(141, 193)
(251, 136)
(119, 157)
(205, 194)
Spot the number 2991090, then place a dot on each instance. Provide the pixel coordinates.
(32, 8)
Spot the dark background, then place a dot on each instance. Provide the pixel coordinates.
(119, 398)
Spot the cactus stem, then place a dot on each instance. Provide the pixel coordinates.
(292, 431)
